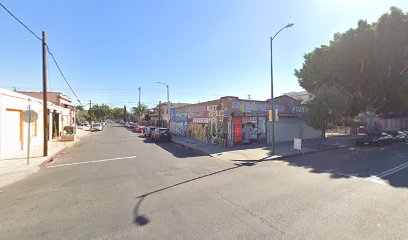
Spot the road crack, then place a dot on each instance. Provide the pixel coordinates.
(253, 214)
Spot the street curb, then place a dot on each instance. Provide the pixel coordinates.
(304, 153)
(45, 163)
(266, 158)
(191, 148)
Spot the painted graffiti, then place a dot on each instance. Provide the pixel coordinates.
(214, 112)
(246, 106)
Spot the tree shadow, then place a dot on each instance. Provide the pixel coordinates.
(388, 163)
(142, 220)
(328, 143)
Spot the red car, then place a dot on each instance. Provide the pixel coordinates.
(139, 129)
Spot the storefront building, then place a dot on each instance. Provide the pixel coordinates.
(231, 121)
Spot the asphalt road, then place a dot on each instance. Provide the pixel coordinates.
(116, 185)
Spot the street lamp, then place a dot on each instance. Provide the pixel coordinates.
(168, 104)
(272, 107)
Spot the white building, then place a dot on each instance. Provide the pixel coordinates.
(302, 96)
(14, 131)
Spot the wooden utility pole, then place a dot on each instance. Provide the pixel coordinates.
(45, 102)
(140, 89)
(124, 113)
(90, 112)
(160, 120)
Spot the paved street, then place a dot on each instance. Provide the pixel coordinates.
(117, 185)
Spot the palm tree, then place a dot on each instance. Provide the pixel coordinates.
(141, 110)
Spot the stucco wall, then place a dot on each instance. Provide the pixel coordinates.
(11, 123)
(286, 129)
(11, 105)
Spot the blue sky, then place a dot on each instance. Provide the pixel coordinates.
(203, 49)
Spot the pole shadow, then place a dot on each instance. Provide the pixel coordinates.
(139, 219)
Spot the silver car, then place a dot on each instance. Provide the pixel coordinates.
(96, 127)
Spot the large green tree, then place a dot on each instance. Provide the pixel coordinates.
(101, 112)
(117, 113)
(327, 109)
(369, 64)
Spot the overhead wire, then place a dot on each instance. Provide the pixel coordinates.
(48, 49)
(65, 79)
(63, 75)
(9, 12)
(126, 89)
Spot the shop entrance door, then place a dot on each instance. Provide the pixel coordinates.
(237, 130)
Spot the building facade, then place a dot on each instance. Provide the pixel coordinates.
(302, 96)
(232, 121)
(14, 130)
(61, 117)
(160, 115)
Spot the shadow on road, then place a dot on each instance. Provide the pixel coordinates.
(141, 220)
(179, 151)
(388, 163)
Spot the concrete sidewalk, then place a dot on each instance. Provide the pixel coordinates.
(263, 151)
(15, 169)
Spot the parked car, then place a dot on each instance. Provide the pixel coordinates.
(145, 130)
(130, 125)
(97, 127)
(397, 136)
(161, 134)
(148, 131)
(140, 129)
(377, 139)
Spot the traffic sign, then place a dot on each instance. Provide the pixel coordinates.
(26, 116)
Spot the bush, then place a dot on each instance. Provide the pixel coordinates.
(69, 130)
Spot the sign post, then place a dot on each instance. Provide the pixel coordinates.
(29, 117)
(29, 134)
(297, 144)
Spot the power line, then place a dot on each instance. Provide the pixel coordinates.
(48, 49)
(124, 89)
(25, 26)
(62, 74)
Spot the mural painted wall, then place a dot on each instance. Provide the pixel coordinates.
(212, 122)
(203, 123)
